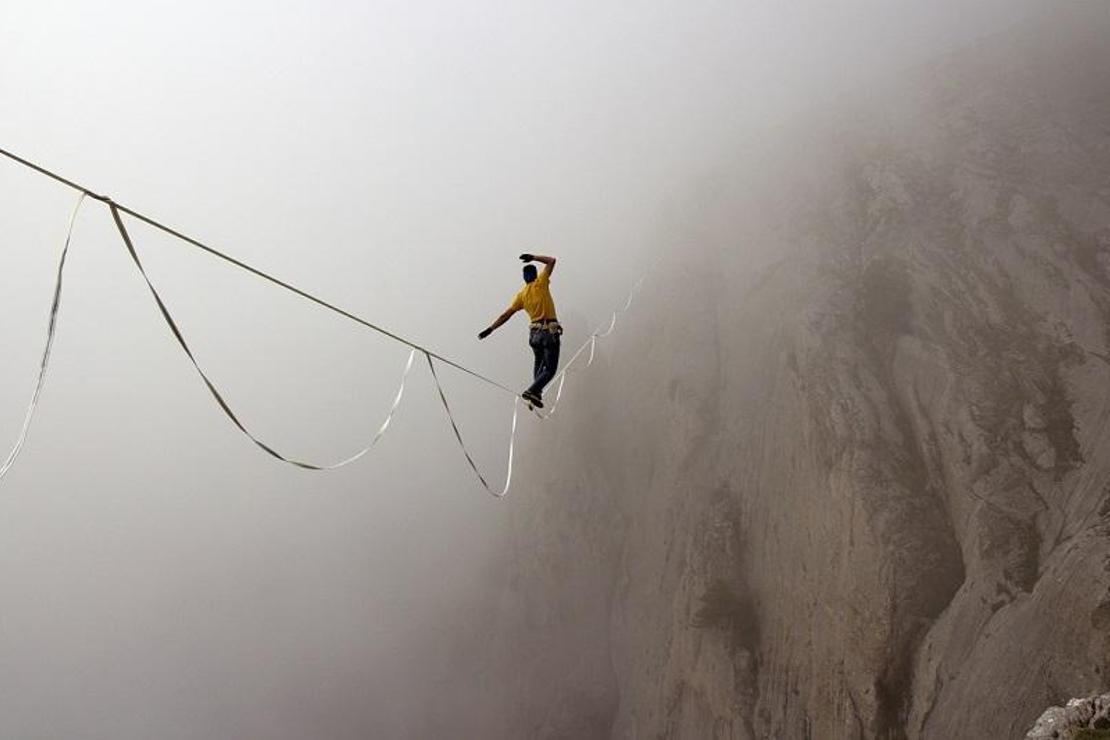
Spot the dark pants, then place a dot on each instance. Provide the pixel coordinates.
(545, 346)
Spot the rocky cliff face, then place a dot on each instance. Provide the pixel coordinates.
(857, 486)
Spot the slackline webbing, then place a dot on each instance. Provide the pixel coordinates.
(51, 330)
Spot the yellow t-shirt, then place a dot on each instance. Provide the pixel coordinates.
(535, 298)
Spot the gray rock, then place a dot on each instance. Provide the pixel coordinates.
(1033, 418)
(1060, 723)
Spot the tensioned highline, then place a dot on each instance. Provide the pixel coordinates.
(253, 270)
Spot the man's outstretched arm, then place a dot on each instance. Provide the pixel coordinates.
(497, 323)
(548, 261)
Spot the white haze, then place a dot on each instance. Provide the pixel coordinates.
(160, 577)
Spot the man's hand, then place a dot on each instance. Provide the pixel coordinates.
(497, 322)
(527, 257)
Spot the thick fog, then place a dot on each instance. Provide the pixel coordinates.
(161, 577)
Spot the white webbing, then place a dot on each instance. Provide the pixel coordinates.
(175, 329)
(462, 444)
(385, 424)
(51, 329)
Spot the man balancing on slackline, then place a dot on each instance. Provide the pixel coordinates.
(535, 298)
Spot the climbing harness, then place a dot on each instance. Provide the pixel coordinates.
(548, 325)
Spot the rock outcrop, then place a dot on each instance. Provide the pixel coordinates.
(1081, 719)
(862, 491)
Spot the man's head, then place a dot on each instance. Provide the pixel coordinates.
(529, 273)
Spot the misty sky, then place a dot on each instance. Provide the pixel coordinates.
(161, 577)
